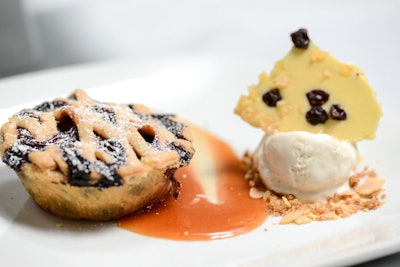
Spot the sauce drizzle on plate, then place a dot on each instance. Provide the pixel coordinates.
(214, 202)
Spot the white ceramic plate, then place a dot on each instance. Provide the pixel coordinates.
(204, 91)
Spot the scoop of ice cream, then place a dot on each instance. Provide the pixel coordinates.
(307, 165)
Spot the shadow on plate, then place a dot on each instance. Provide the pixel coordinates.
(16, 207)
(32, 215)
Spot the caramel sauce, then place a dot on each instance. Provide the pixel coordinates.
(214, 202)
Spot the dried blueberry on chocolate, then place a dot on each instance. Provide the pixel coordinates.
(316, 115)
(337, 112)
(317, 97)
(300, 38)
(272, 97)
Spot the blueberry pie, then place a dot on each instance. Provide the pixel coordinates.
(83, 159)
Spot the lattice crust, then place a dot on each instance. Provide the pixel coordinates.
(82, 159)
(93, 143)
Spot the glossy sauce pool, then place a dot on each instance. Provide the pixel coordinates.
(214, 200)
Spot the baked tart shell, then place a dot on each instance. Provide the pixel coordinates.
(73, 202)
(83, 159)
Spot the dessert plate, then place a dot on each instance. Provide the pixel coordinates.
(203, 91)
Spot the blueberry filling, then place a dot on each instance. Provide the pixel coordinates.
(184, 155)
(164, 120)
(108, 171)
(147, 133)
(50, 106)
(18, 153)
(172, 126)
(26, 113)
(104, 113)
(80, 169)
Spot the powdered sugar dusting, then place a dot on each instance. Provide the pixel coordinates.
(92, 138)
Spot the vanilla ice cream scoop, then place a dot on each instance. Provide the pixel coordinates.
(307, 165)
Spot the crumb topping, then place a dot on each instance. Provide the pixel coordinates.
(367, 194)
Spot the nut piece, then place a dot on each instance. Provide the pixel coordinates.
(370, 185)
